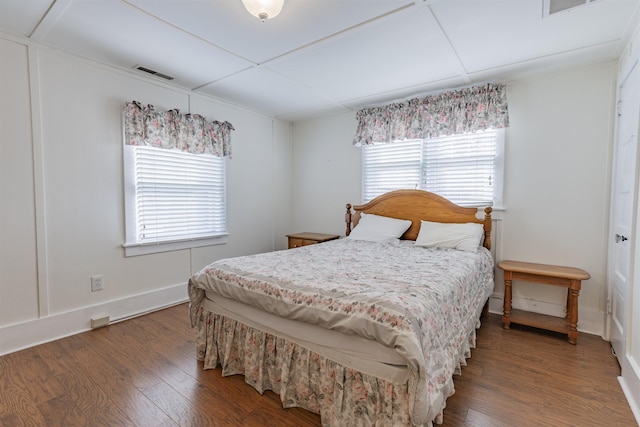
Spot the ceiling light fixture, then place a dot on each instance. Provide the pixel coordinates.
(263, 9)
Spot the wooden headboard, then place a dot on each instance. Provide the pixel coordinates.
(417, 205)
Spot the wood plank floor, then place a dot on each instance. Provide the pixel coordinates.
(143, 372)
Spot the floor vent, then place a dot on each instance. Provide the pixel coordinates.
(153, 72)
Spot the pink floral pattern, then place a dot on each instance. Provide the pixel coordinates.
(144, 125)
(341, 395)
(424, 302)
(450, 113)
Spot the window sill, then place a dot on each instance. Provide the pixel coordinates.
(135, 249)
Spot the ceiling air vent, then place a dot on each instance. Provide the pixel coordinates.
(555, 6)
(152, 72)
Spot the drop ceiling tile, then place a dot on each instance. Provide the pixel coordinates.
(493, 33)
(21, 16)
(227, 23)
(403, 50)
(401, 95)
(314, 112)
(548, 64)
(268, 92)
(116, 33)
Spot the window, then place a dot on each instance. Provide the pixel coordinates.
(466, 169)
(174, 199)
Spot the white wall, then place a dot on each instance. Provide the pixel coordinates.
(557, 169)
(62, 217)
(327, 173)
(18, 262)
(557, 156)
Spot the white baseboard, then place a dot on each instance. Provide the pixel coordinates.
(33, 332)
(589, 321)
(630, 383)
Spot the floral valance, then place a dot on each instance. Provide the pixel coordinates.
(193, 133)
(456, 112)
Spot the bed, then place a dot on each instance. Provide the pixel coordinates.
(364, 330)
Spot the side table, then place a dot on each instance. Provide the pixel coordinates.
(304, 239)
(568, 277)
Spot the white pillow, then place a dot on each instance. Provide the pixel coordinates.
(376, 228)
(464, 237)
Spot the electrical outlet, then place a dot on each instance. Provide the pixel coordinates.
(99, 321)
(97, 283)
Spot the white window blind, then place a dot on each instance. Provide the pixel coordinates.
(176, 195)
(388, 167)
(461, 167)
(466, 169)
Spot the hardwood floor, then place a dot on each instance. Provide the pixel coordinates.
(143, 372)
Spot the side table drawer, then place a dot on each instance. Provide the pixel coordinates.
(304, 239)
(296, 243)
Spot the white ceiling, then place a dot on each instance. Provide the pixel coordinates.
(325, 56)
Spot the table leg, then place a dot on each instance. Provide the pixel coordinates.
(506, 315)
(572, 315)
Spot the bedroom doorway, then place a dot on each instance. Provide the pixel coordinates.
(623, 212)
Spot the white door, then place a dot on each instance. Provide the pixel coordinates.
(623, 209)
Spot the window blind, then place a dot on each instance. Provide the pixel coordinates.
(178, 195)
(388, 167)
(461, 168)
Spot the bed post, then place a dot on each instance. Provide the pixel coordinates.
(347, 219)
(487, 227)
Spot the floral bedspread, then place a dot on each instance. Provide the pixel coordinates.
(420, 301)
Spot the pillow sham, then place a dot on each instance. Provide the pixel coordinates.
(376, 228)
(464, 237)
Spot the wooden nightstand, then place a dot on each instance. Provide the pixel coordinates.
(555, 275)
(304, 239)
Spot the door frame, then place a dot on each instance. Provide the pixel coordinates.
(611, 231)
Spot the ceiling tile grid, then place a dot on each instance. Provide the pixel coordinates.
(325, 56)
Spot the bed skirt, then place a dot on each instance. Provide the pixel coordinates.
(303, 378)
